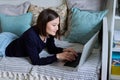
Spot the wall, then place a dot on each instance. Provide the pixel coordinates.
(37, 2)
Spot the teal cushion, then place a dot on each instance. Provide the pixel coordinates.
(83, 25)
(15, 24)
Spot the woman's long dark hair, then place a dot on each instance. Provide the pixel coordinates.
(44, 17)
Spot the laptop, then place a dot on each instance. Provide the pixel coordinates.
(82, 57)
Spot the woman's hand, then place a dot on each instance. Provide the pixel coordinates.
(67, 56)
(70, 50)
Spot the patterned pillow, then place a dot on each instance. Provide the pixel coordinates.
(14, 9)
(94, 5)
(61, 10)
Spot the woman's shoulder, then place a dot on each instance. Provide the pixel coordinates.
(30, 31)
(50, 38)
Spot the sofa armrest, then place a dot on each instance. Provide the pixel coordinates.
(104, 49)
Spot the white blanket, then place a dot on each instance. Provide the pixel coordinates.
(21, 68)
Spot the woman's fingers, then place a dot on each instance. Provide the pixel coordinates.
(66, 56)
(71, 50)
(70, 57)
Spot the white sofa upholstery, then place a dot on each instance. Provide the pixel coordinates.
(21, 69)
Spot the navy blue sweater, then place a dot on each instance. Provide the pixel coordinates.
(30, 45)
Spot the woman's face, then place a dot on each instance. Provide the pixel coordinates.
(52, 27)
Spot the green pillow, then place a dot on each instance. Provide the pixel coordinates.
(83, 25)
(15, 24)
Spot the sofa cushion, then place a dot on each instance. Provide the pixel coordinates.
(14, 9)
(94, 5)
(15, 24)
(83, 25)
(61, 10)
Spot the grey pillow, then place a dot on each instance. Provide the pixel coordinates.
(94, 5)
(14, 9)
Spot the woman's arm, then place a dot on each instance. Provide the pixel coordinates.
(62, 54)
(51, 47)
(31, 46)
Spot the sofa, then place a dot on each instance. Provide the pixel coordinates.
(78, 24)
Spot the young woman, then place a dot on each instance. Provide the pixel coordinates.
(39, 37)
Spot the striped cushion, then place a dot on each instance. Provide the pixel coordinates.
(5, 39)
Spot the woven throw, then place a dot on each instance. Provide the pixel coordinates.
(15, 68)
(89, 71)
(21, 69)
